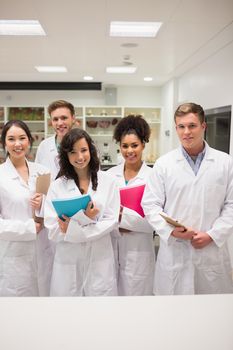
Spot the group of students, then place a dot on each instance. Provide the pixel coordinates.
(108, 250)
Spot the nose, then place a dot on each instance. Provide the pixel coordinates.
(17, 142)
(60, 121)
(186, 130)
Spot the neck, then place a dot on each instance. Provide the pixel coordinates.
(83, 174)
(18, 163)
(133, 167)
(196, 151)
(58, 139)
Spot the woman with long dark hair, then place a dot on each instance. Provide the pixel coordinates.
(22, 239)
(84, 260)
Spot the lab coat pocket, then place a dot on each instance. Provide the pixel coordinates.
(138, 264)
(63, 281)
(20, 276)
(103, 277)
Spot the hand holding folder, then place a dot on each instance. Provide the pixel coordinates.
(131, 197)
(70, 206)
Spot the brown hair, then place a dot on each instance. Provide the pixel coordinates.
(66, 146)
(60, 104)
(190, 107)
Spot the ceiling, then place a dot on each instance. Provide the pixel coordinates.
(78, 38)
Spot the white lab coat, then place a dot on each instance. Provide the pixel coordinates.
(134, 251)
(84, 259)
(47, 155)
(203, 202)
(21, 249)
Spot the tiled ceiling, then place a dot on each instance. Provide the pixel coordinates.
(78, 38)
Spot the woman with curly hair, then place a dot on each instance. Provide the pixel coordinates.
(84, 259)
(133, 247)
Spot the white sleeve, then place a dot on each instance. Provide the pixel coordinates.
(16, 230)
(132, 221)
(82, 229)
(51, 218)
(39, 152)
(222, 227)
(153, 201)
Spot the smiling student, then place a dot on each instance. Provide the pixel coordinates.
(194, 185)
(134, 249)
(62, 116)
(22, 242)
(84, 258)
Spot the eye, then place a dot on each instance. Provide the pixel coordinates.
(55, 119)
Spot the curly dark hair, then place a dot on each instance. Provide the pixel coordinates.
(66, 146)
(132, 124)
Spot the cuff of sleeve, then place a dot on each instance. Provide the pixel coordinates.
(82, 219)
(219, 242)
(31, 228)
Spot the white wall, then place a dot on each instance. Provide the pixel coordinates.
(211, 83)
(140, 96)
(126, 96)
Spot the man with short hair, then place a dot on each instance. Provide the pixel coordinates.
(62, 116)
(194, 185)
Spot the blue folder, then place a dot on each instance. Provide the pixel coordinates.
(70, 206)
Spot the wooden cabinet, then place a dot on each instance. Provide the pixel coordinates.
(98, 121)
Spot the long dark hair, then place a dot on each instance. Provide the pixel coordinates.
(66, 146)
(20, 124)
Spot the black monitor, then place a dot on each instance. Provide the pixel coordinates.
(218, 129)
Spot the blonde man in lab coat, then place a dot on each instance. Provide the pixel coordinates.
(194, 185)
(62, 116)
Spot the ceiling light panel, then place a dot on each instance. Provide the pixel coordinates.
(121, 69)
(51, 69)
(88, 78)
(134, 29)
(21, 27)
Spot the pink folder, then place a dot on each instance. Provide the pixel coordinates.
(131, 198)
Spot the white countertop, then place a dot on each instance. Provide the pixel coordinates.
(117, 323)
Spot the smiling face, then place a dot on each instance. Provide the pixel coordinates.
(131, 148)
(16, 143)
(80, 156)
(191, 133)
(62, 121)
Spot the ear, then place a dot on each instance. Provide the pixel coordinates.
(203, 126)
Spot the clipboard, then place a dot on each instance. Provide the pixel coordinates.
(42, 183)
(172, 221)
(42, 186)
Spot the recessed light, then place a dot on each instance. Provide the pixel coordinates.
(129, 45)
(121, 69)
(88, 78)
(51, 69)
(134, 29)
(21, 27)
(148, 79)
